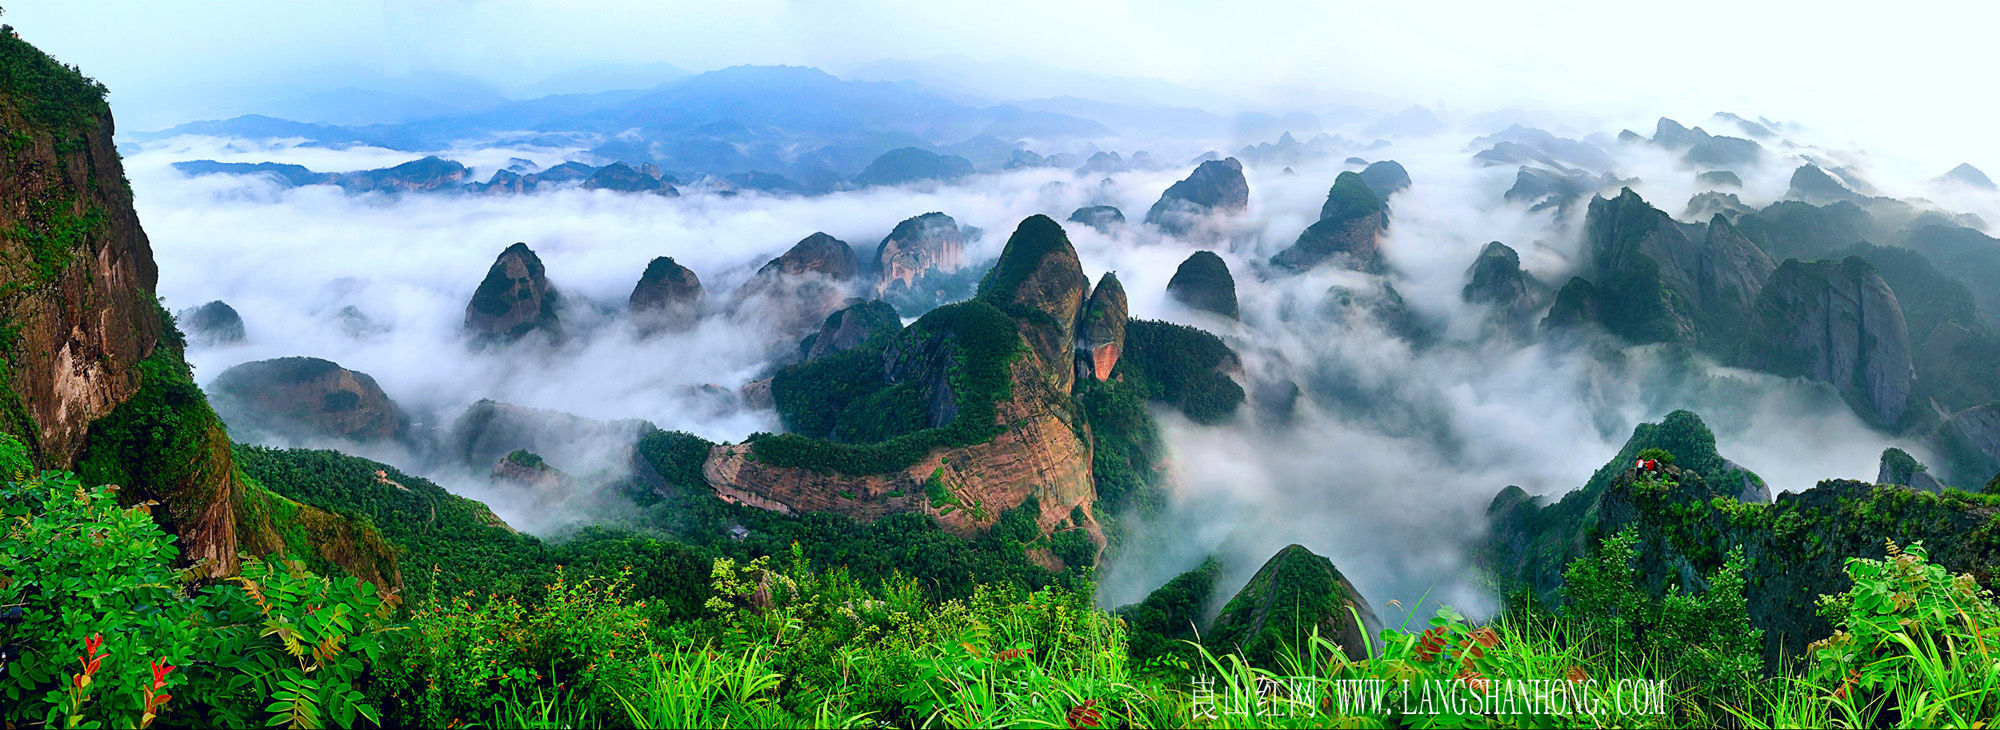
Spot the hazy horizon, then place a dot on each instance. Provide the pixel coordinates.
(1892, 85)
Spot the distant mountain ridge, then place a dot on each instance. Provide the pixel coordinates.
(798, 122)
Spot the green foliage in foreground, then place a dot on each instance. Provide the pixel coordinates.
(800, 646)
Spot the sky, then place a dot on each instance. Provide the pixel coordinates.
(1863, 72)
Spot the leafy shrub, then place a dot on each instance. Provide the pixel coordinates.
(94, 583)
(79, 566)
(1915, 645)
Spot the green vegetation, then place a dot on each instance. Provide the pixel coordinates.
(1183, 367)
(53, 231)
(977, 344)
(1165, 627)
(1350, 198)
(50, 95)
(748, 644)
(1295, 596)
(110, 635)
(1127, 446)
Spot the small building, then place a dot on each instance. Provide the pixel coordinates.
(739, 532)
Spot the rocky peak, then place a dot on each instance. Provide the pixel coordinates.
(1100, 336)
(1348, 233)
(1899, 467)
(1837, 322)
(1294, 593)
(214, 323)
(620, 177)
(525, 469)
(819, 254)
(1966, 174)
(1215, 186)
(1385, 177)
(850, 326)
(912, 164)
(302, 400)
(514, 299)
(1496, 277)
(1729, 273)
(1104, 218)
(1040, 283)
(1814, 186)
(1203, 282)
(919, 246)
(1671, 134)
(668, 295)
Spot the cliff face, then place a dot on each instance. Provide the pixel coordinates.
(1838, 323)
(928, 243)
(93, 376)
(1215, 186)
(1100, 337)
(76, 271)
(965, 489)
(963, 415)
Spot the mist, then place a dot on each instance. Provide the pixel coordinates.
(1386, 467)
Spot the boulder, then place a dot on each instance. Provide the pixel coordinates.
(1295, 593)
(1216, 186)
(918, 247)
(1104, 218)
(1837, 322)
(1203, 282)
(1100, 335)
(514, 299)
(668, 296)
(300, 400)
(214, 323)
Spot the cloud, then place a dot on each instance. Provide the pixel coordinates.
(1386, 469)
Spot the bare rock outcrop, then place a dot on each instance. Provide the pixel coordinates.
(1837, 322)
(918, 247)
(514, 299)
(668, 296)
(1216, 186)
(1100, 336)
(306, 399)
